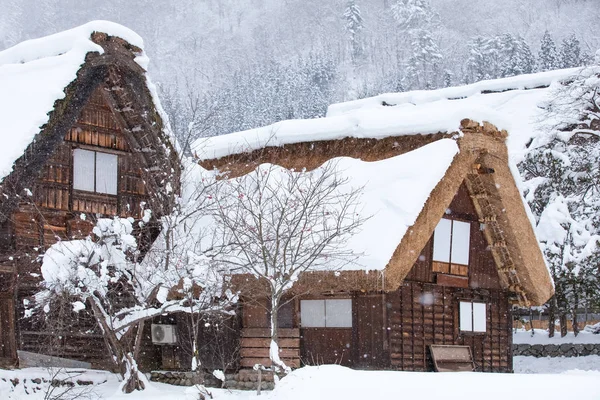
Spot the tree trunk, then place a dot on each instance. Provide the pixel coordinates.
(552, 317)
(563, 324)
(574, 313)
(131, 375)
(274, 346)
(128, 367)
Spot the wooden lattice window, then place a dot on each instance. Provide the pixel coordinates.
(94, 171)
(451, 247)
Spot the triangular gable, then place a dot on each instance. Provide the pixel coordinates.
(483, 165)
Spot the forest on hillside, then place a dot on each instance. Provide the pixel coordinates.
(230, 65)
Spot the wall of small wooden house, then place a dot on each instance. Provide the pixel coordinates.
(421, 314)
(394, 329)
(424, 310)
(55, 214)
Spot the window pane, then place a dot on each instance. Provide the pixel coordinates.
(312, 313)
(461, 235)
(441, 241)
(479, 318)
(107, 166)
(466, 316)
(83, 170)
(338, 313)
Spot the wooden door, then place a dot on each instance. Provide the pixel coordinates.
(370, 332)
(8, 344)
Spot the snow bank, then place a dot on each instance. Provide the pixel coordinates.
(336, 382)
(556, 365)
(375, 123)
(541, 337)
(34, 74)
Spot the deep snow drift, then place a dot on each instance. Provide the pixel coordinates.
(559, 378)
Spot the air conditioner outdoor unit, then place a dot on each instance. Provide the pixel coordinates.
(164, 334)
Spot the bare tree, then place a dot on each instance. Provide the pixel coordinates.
(279, 223)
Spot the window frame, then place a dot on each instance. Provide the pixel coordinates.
(95, 171)
(450, 263)
(472, 315)
(325, 319)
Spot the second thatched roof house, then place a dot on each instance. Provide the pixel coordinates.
(450, 246)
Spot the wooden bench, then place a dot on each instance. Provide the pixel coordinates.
(451, 358)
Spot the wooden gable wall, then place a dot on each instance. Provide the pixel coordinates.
(423, 312)
(482, 268)
(55, 214)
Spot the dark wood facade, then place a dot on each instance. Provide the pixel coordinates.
(108, 109)
(393, 330)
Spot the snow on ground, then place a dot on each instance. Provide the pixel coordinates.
(336, 382)
(556, 365)
(540, 336)
(557, 378)
(105, 387)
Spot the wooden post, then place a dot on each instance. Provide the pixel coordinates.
(259, 380)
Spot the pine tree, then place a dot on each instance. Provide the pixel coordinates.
(354, 27)
(516, 56)
(548, 59)
(413, 14)
(570, 52)
(423, 70)
(476, 63)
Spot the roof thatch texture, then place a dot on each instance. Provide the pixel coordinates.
(482, 163)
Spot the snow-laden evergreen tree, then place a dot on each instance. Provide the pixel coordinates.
(548, 58)
(562, 171)
(354, 26)
(413, 14)
(516, 56)
(570, 52)
(424, 65)
(476, 63)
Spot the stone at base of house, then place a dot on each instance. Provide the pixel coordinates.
(556, 350)
(178, 378)
(242, 380)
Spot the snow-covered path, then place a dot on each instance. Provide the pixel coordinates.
(557, 378)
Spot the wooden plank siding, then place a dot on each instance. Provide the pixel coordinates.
(422, 314)
(53, 212)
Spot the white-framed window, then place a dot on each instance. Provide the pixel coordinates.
(94, 171)
(451, 246)
(472, 316)
(326, 313)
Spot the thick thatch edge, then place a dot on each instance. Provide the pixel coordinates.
(483, 157)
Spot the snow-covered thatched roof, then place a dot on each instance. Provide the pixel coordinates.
(46, 82)
(508, 103)
(491, 121)
(34, 75)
